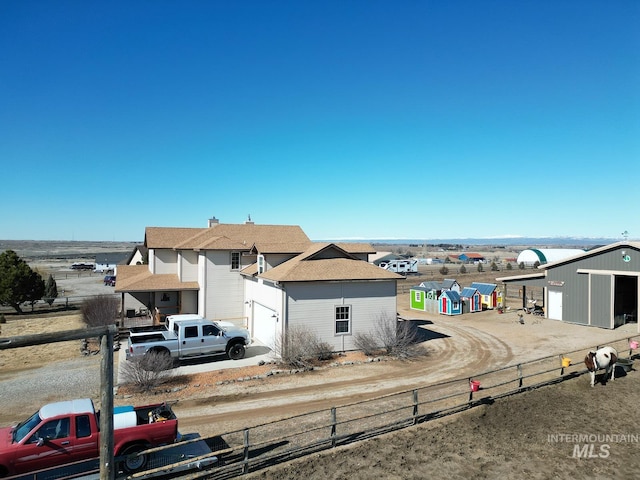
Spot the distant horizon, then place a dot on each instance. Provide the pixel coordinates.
(511, 240)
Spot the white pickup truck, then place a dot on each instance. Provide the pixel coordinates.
(188, 336)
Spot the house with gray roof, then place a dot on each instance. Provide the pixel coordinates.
(267, 278)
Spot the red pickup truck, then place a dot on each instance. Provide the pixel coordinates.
(68, 431)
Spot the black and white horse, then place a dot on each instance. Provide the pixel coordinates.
(604, 358)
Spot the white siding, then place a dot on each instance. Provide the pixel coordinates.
(261, 297)
(312, 305)
(188, 266)
(166, 261)
(273, 260)
(224, 288)
(189, 301)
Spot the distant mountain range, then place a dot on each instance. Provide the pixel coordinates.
(558, 242)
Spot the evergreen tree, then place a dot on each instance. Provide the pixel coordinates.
(18, 283)
(50, 290)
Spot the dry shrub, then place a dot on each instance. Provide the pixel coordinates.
(301, 348)
(395, 338)
(148, 371)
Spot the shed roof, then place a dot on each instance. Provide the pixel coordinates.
(468, 292)
(432, 285)
(451, 295)
(484, 288)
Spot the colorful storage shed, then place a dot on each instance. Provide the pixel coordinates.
(449, 303)
(491, 297)
(471, 300)
(450, 284)
(424, 299)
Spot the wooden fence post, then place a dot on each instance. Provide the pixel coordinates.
(245, 466)
(520, 375)
(334, 427)
(107, 470)
(415, 407)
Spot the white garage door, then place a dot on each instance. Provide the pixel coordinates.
(264, 325)
(555, 306)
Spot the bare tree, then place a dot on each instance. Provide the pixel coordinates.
(100, 311)
(148, 371)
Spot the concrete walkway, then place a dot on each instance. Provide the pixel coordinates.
(255, 354)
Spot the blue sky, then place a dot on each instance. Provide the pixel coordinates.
(353, 119)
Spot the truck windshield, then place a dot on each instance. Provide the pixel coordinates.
(25, 427)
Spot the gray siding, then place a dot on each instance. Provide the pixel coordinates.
(311, 305)
(601, 300)
(575, 305)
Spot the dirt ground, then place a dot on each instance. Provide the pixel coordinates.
(536, 434)
(528, 435)
(531, 435)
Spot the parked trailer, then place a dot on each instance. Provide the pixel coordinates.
(405, 267)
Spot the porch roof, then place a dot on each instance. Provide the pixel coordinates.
(138, 278)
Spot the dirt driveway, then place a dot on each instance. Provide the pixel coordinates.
(457, 347)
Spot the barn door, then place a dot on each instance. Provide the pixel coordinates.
(554, 308)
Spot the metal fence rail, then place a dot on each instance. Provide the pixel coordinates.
(260, 446)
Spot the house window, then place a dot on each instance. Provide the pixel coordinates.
(343, 320)
(260, 264)
(418, 296)
(235, 260)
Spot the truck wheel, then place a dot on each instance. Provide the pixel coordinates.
(236, 351)
(3, 471)
(133, 463)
